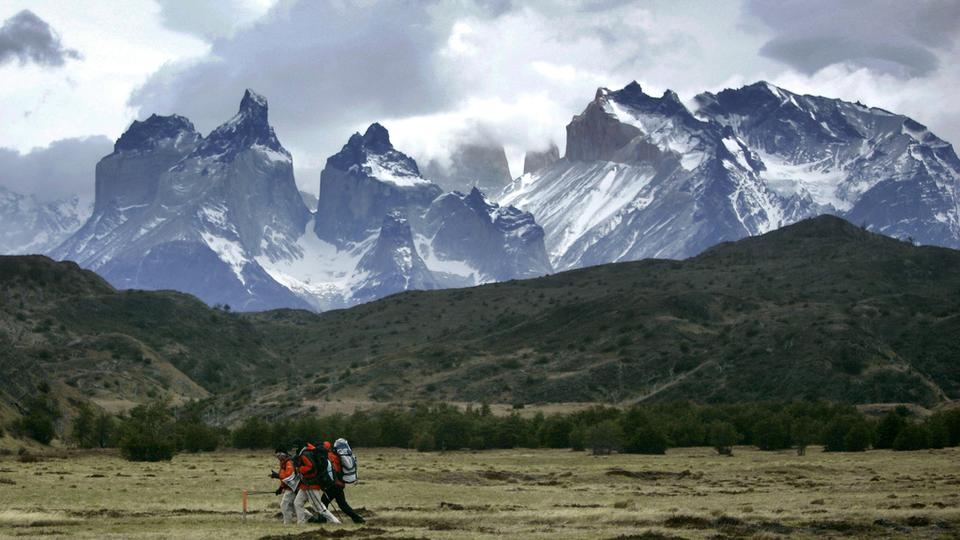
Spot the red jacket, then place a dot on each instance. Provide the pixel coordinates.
(335, 461)
(308, 471)
(286, 469)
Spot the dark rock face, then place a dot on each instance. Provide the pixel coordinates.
(595, 135)
(393, 265)
(174, 209)
(479, 165)
(534, 161)
(365, 181)
(130, 176)
(500, 242)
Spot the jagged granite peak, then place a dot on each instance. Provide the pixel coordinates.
(249, 128)
(535, 160)
(147, 134)
(195, 214)
(648, 177)
(864, 163)
(500, 242)
(366, 180)
(393, 264)
(481, 164)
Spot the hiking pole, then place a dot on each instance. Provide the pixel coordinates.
(332, 509)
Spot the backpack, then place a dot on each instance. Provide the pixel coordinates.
(348, 462)
(322, 471)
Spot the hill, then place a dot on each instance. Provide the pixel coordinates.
(819, 309)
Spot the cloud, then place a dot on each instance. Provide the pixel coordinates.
(62, 169)
(211, 19)
(322, 65)
(29, 39)
(905, 39)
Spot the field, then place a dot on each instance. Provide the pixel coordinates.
(689, 493)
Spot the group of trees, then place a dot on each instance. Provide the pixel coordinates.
(157, 432)
(646, 429)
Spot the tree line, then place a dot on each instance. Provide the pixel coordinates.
(157, 432)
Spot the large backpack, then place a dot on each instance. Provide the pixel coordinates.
(322, 473)
(348, 462)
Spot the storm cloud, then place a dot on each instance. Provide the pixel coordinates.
(60, 170)
(904, 39)
(29, 39)
(320, 64)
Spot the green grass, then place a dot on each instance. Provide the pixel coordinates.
(545, 494)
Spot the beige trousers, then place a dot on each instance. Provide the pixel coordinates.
(287, 506)
(299, 502)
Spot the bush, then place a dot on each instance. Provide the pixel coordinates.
(857, 438)
(253, 433)
(146, 434)
(605, 437)
(424, 442)
(83, 432)
(38, 422)
(888, 429)
(722, 436)
(771, 433)
(912, 437)
(196, 436)
(848, 433)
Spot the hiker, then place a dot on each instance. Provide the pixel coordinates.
(335, 492)
(314, 477)
(289, 481)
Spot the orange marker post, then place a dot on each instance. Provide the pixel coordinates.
(244, 505)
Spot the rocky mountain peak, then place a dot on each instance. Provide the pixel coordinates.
(249, 127)
(377, 139)
(536, 160)
(147, 134)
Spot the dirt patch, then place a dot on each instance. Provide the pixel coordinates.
(655, 475)
(363, 532)
(647, 535)
(688, 522)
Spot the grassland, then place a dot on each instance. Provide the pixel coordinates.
(689, 493)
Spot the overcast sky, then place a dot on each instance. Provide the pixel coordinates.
(75, 74)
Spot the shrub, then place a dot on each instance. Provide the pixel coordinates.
(146, 434)
(888, 429)
(912, 437)
(771, 433)
(424, 442)
(722, 436)
(605, 437)
(837, 436)
(38, 422)
(857, 438)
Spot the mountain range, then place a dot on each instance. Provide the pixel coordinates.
(821, 309)
(646, 176)
(220, 217)
(29, 225)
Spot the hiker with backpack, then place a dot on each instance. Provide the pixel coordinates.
(344, 465)
(316, 475)
(289, 482)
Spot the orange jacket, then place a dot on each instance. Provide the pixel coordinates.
(335, 461)
(310, 480)
(286, 469)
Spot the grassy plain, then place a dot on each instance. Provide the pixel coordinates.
(688, 493)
